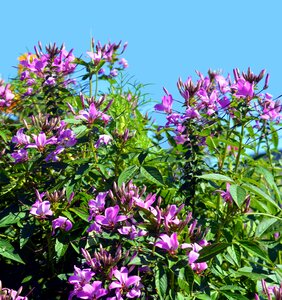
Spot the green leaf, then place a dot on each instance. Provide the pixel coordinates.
(127, 174)
(257, 191)
(238, 194)
(60, 248)
(142, 156)
(214, 176)
(152, 174)
(231, 295)
(161, 281)
(12, 218)
(184, 285)
(211, 251)
(8, 251)
(80, 131)
(81, 213)
(253, 248)
(264, 225)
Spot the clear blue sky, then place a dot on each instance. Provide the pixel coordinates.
(166, 39)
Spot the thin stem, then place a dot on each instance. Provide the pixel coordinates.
(240, 148)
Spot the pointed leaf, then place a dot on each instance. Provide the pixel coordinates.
(152, 174)
(127, 174)
(214, 176)
(238, 194)
(211, 251)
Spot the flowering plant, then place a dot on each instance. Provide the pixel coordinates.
(92, 207)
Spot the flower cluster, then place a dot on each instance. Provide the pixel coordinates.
(216, 95)
(53, 131)
(105, 59)
(6, 95)
(46, 69)
(41, 209)
(135, 218)
(10, 294)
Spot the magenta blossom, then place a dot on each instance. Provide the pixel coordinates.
(111, 217)
(243, 88)
(166, 105)
(41, 141)
(104, 139)
(193, 255)
(62, 223)
(125, 285)
(20, 138)
(41, 209)
(92, 291)
(92, 114)
(81, 277)
(168, 243)
(20, 156)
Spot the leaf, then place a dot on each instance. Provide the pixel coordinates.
(8, 251)
(211, 251)
(254, 249)
(142, 156)
(257, 191)
(80, 131)
(11, 218)
(127, 174)
(81, 213)
(214, 176)
(231, 295)
(238, 194)
(61, 248)
(161, 281)
(264, 225)
(152, 174)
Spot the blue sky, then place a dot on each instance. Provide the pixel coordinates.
(166, 39)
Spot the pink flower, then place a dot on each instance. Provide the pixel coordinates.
(168, 243)
(111, 217)
(125, 284)
(166, 105)
(41, 141)
(62, 223)
(243, 88)
(92, 291)
(193, 255)
(41, 209)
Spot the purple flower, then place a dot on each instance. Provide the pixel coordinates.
(53, 156)
(62, 223)
(111, 217)
(243, 88)
(67, 138)
(113, 72)
(41, 141)
(20, 156)
(103, 139)
(50, 81)
(92, 114)
(125, 284)
(96, 57)
(168, 243)
(98, 205)
(124, 63)
(166, 105)
(193, 255)
(81, 277)
(92, 291)
(131, 231)
(41, 209)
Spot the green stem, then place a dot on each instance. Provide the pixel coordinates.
(96, 85)
(240, 148)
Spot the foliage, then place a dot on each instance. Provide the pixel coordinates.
(92, 207)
